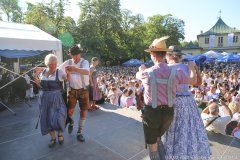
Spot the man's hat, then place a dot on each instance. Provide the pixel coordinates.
(75, 49)
(175, 50)
(158, 45)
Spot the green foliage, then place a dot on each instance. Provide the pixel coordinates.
(49, 17)
(167, 25)
(100, 28)
(189, 44)
(103, 29)
(196, 43)
(11, 9)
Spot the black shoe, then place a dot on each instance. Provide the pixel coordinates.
(69, 120)
(80, 137)
(52, 143)
(70, 128)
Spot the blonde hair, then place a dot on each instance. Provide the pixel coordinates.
(234, 107)
(50, 57)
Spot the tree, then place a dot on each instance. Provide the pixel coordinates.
(68, 33)
(158, 26)
(11, 9)
(50, 18)
(100, 28)
(133, 31)
(189, 44)
(196, 43)
(36, 15)
(47, 16)
(184, 44)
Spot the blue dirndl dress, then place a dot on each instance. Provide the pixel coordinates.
(186, 138)
(53, 111)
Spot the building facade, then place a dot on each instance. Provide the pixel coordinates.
(220, 38)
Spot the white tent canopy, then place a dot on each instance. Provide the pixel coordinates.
(16, 36)
(225, 53)
(212, 54)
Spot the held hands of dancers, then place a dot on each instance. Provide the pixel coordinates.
(69, 69)
(192, 65)
(38, 70)
(192, 76)
(142, 67)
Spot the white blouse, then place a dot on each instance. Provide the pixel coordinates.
(52, 77)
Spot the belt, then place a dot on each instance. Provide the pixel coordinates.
(183, 95)
(160, 106)
(77, 89)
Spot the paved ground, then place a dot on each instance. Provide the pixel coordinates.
(111, 134)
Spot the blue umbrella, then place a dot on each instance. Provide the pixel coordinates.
(199, 59)
(229, 58)
(148, 63)
(187, 57)
(209, 60)
(132, 62)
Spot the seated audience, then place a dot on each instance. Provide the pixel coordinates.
(211, 119)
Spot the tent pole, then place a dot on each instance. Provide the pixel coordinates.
(18, 65)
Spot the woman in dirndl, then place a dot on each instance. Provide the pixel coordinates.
(94, 92)
(53, 111)
(186, 138)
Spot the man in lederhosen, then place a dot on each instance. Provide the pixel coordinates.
(78, 88)
(160, 83)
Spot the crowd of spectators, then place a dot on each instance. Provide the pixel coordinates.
(218, 97)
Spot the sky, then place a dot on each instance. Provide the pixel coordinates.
(197, 14)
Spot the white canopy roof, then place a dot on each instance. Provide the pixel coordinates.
(16, 36)
(212, 54)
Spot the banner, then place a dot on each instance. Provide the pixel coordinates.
(230, 39)
(211, 41)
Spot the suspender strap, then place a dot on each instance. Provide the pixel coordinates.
(168, 82)
(81, 66)
(82, 77)
(153, 89)
(57, 78)
(170, 87)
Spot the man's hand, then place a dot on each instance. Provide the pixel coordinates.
(38, 70)
(69, 68)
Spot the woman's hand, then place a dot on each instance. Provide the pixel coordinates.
(69, 69)
(142, 67)
(38, 70)
(192, 64)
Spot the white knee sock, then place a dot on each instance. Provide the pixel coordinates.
(81, 124)
(154, 155)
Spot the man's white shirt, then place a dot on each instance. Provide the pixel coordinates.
(75, 80)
